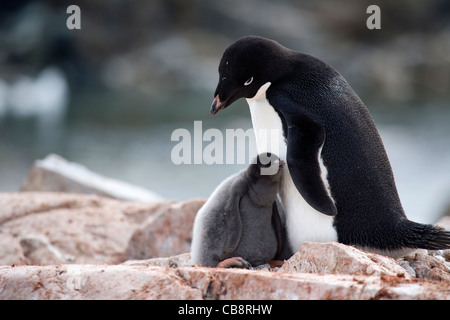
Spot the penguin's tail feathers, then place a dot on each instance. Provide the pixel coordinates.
(425, 236)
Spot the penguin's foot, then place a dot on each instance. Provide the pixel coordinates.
(275, 263)
(234, 262)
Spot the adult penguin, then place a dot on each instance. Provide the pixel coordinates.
(338, 184)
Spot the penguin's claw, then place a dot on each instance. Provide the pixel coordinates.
(234, 262)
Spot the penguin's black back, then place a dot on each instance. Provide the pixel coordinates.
(359, 173)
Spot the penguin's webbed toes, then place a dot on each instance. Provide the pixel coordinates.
(234, 262)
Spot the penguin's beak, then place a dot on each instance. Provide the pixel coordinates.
(217, 105)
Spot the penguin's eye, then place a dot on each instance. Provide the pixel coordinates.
(248, 81)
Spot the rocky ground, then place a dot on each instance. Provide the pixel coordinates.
(72, 246)
(56, 245)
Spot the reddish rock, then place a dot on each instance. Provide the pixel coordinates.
(53, 228)
(444, 222)
(337, 258)
(166, 233)
(430, 266)
(181, 260)
(143, 282)
(92, 282)
(78, 240)
(56, 174)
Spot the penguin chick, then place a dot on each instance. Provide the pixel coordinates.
(240, 220)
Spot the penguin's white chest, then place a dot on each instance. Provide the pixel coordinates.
(303, 223)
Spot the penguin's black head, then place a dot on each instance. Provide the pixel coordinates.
(246, 65)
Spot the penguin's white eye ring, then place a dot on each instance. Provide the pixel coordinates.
(248, 81)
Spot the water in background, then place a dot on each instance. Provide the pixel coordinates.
(109, 96)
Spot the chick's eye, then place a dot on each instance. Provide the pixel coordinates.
(248, 81)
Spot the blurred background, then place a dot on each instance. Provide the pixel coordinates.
(109, 96)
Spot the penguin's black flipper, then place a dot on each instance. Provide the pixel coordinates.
(305, 141)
